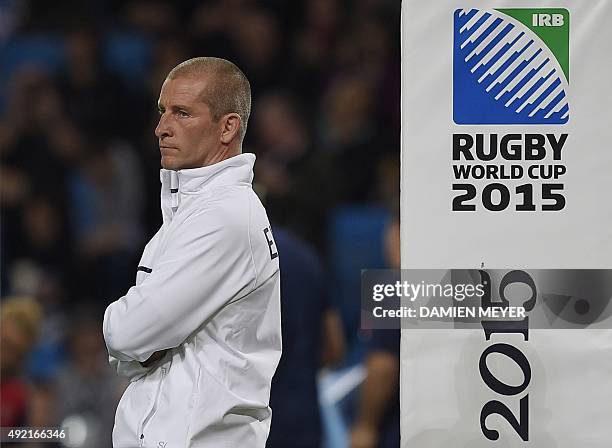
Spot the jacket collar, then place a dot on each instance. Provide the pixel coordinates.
(174, 184)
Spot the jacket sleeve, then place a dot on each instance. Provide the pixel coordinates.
(131, 370)
(206, 263)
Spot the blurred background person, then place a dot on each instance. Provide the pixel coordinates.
(378, 417)
(287, 165)
(312, 339)
(19, 325)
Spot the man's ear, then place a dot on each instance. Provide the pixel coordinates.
(231, 125)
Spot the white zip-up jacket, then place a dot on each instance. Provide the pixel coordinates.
(207, 289)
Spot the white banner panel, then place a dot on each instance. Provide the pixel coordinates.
(507, 164)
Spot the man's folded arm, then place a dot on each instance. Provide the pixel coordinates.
(206, 263)
(131, 370)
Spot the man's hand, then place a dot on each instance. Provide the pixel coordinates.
(377, 394)
(154, 358)
(364, 436)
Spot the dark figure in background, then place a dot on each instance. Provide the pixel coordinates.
(378, 416)
(312, 338)
(38, 145)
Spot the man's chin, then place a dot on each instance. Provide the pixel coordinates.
(169, 163)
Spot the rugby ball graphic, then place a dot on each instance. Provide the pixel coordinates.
(504, 72)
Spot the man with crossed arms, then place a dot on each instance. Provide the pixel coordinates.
(199, 334)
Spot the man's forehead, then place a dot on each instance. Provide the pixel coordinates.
(182, 88)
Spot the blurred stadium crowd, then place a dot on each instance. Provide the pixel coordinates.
(79, 182)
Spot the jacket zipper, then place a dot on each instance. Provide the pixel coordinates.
(153, 408)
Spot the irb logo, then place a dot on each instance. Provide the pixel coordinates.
(547, 20)
(511, 66)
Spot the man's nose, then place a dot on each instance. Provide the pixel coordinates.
(163, 129)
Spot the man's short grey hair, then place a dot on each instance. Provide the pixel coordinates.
(227, 91)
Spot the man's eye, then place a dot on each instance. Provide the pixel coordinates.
(182, 113)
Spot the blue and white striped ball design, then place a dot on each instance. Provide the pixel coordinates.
(503, 73)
